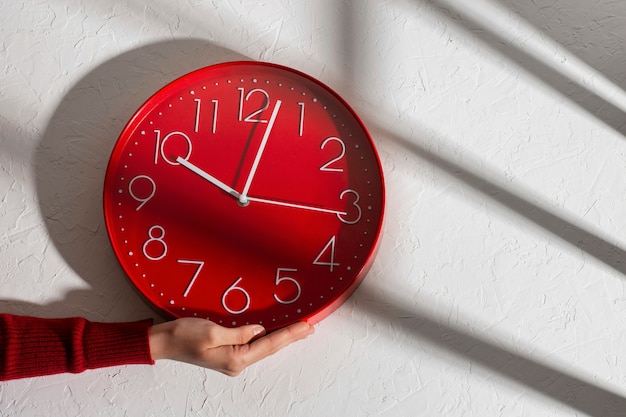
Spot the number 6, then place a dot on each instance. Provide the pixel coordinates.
(234, 287)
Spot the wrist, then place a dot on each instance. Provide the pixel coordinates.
(160, 335)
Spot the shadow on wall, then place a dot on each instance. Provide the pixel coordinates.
(548, 381)
(577, 236)
(71, 159)
(594, 31)
(571, 24)
(545, 380)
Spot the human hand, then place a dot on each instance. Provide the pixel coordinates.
(209, 345)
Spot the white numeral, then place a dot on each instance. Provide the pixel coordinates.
(355, 203)
(197, 122)
(328, 253)
(235, 287)
(196, 127)
(285, 279)
(140, 199)
(301, 125)
(200, 264)
(155, 235)
(327, 166)
(251, 117)
(215, 105)
(160, 147)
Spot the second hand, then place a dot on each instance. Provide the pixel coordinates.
(298, 206)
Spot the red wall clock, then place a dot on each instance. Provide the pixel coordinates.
(245, 192)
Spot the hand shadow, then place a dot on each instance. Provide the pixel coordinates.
(74, 303)
(71, 159)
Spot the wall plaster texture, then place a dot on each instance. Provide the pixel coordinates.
(499, 288)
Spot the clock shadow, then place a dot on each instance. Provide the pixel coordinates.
(71, 160)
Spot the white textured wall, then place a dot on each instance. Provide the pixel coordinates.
(499, 289)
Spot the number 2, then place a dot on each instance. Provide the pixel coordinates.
(328, 166)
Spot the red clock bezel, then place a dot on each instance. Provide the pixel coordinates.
(163, 94)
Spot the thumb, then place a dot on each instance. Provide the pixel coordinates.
(239, 335)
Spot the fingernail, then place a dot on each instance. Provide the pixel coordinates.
(258, 330)
(309, 330)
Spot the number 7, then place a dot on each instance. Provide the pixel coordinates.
(195, 275)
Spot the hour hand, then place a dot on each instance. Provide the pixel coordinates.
(210, 178)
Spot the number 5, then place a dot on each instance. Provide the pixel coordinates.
(280, 280)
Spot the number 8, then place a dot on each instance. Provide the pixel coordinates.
(155, 238)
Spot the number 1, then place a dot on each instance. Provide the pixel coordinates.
(301, 125)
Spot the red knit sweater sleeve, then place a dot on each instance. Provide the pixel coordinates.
(31, 346)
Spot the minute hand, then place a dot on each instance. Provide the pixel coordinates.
(294, 205)
(243, 198)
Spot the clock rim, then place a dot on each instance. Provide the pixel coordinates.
(160, 95)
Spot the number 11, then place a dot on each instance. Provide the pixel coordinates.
(196, 125)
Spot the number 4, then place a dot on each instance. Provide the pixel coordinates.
(328, 253)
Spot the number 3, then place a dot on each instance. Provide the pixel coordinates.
(355, 203)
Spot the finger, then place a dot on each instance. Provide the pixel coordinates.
(273, 342)
(225, 336)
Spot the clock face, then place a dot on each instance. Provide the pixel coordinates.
(245, 193)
